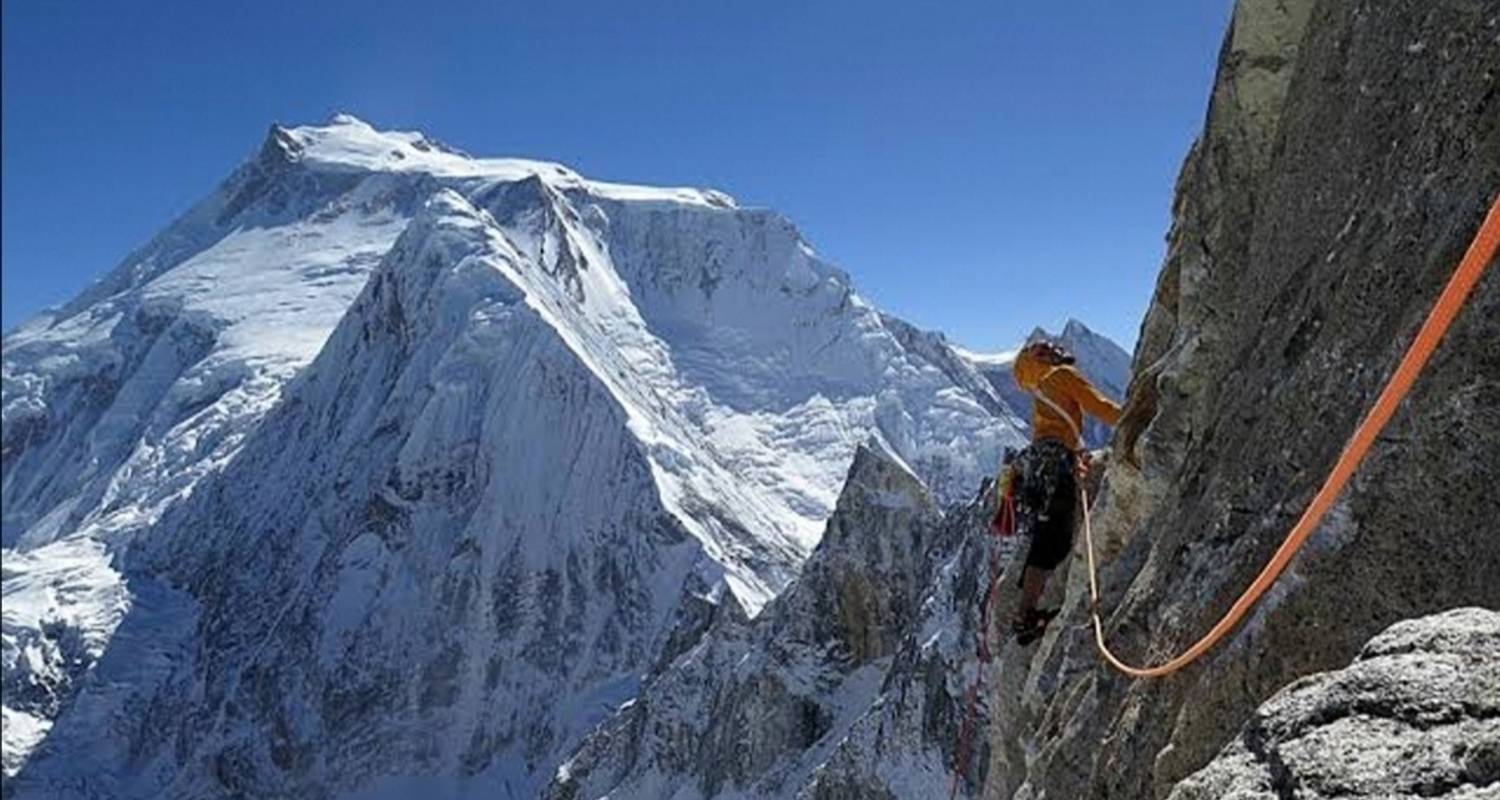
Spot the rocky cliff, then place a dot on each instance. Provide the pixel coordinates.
(756, 707)
(852, 684)
(1349, 153)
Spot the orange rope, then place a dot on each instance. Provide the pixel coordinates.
(1480, 254)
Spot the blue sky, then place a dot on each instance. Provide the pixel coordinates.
(979, 167)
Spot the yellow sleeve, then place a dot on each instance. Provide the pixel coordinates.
(1070, 382)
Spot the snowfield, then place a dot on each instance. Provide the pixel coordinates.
(385, 467)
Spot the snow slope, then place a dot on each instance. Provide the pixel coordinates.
(561, 415)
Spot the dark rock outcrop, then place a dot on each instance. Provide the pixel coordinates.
(756, 706)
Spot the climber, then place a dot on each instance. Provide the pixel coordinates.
(1043, 477)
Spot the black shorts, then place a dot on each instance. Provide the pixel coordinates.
(1046, 501)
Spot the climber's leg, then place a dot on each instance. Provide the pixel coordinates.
(1033, 583)
(1051, 542)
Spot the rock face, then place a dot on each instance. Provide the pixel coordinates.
(1416, 715)
(747, 708)
(1349, 154)
(852, 684)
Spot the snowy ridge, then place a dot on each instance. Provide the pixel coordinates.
(1003, 358)
(350, 144)
(697, 378)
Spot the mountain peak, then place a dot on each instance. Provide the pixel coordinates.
(279, 147)
(1073, 335)
(347, 144)
(585, 391)
(344, 118)
(445, 203)
(1074, 327)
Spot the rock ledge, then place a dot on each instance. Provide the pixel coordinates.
(1416, 715)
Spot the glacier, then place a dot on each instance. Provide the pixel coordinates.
(384, 463)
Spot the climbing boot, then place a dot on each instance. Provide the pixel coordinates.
(1030, 626)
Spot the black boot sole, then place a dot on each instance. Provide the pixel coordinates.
(1037, 627)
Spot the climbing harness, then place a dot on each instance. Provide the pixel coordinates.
(1480, 254)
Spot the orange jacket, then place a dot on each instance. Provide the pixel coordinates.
(1066, 387)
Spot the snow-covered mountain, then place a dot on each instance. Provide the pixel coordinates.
(387, 464)
(117, 404)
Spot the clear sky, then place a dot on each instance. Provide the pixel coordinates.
(978, 167)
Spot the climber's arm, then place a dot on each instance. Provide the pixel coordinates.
(1072, 383)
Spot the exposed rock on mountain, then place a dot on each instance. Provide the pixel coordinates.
(746, 710)
(1416, 715)
(859, 672)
